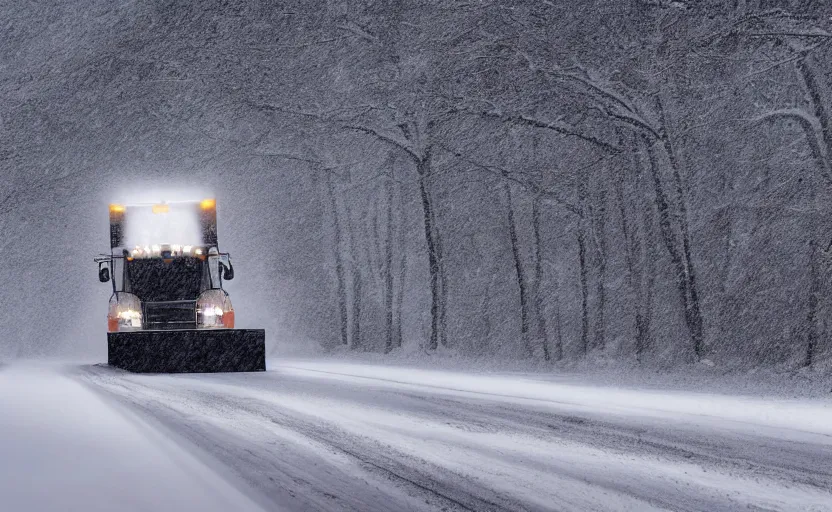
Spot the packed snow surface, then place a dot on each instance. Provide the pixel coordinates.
(318, 435)
(64, 448)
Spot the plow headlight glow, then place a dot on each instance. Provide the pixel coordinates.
(214, 310)
(125, 312)
(131, 317)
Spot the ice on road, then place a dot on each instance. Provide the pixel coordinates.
(335, 436)
(63, 448)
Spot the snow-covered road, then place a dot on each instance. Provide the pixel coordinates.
(337, 436)
(64, 448)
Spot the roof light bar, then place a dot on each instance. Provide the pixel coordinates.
(161, 208)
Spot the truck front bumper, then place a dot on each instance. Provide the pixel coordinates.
(188, 350)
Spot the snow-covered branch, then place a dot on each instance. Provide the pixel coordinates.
(561, 128)
(507, 174)
(811, 128)
(389, 139)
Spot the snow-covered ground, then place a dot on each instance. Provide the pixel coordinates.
(65, 448)
(318, 435)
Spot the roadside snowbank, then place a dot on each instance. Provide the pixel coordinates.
(803, 415)
(815, 382)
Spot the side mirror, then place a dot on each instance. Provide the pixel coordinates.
(227, 272)
(103, 273)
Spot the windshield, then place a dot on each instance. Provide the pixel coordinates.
(158, 280)
(146, 226)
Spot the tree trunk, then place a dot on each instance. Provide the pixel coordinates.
(357, 292)
(693, 310)
(538, 284)
(443, 288)
(631, 244)
(815, 95)
(424, 171)
(584, 291)
(683, 281)
(402, 269)
(519, 271)
(558, 355)
(812, 309)
(339, 261)
(388, 270)
(599, 219)
(584, 226)
(638, 237)
(648, 277)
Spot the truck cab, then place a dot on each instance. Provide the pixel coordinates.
(167, 273)
(159, 285)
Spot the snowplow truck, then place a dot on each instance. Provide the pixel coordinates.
(169, 312)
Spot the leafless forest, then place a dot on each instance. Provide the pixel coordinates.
(639, 180)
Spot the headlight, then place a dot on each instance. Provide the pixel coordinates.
(125, 313)
(213, 309)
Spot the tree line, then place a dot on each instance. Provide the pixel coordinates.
(644, 180)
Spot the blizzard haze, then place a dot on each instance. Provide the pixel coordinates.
(639, 182)
(512, 255)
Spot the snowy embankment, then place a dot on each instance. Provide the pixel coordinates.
(701, 408)
(316, 435)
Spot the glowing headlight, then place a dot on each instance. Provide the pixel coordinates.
(125, 313)
(213, 309)
(130, 318)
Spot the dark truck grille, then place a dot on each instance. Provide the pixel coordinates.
(170, 315)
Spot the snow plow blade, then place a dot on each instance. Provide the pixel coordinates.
(188, 351)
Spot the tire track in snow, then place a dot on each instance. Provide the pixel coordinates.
(791, 461)
(228, 448)
(264, 399)
(809, 464)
